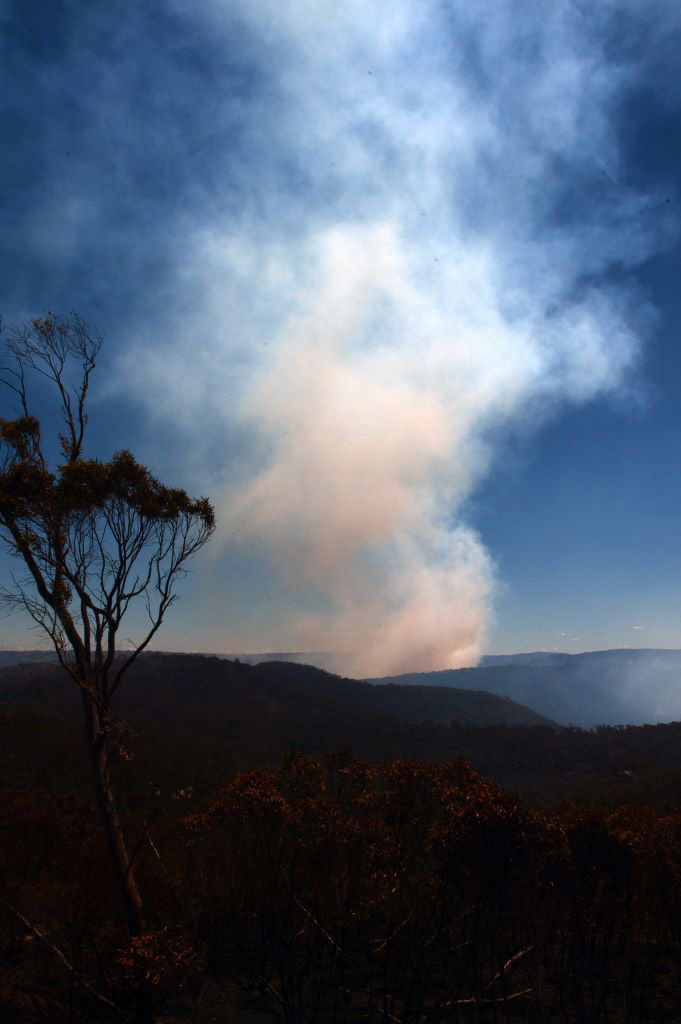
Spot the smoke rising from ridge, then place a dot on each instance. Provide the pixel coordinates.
(421, 251)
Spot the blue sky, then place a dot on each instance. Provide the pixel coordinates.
(394, 283)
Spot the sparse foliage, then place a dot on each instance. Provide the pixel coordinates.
(92, 538)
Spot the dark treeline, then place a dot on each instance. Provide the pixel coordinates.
(193, 721)
(339, 890)
(397, 883)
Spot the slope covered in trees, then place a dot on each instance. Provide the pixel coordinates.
(188, 688)
(398, 884)
(195, 721)
(619, 687)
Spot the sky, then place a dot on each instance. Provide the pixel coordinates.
(393, 283)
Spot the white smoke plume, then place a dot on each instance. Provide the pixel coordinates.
(423, 250)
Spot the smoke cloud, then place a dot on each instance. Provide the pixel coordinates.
(420, 248)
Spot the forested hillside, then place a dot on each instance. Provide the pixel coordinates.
(195, 721)
(619, 687)
(315, 850)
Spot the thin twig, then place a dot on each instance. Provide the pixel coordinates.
(40, 934)
(509, 963)
(314, 920)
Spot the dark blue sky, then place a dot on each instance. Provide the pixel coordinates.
(601, 551)
(396, 286)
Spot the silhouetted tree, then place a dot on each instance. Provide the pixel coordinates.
(93, 539)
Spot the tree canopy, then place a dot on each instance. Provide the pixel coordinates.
(93, 536)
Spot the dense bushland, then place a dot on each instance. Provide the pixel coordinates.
(343, 890)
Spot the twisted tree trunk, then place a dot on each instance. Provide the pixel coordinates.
(99, 750)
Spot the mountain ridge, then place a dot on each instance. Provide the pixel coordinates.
(197, 679)
(606, 687)
(613, 687)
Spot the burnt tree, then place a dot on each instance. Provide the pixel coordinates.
(92, 538)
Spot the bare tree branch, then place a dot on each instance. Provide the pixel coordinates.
(95, 539)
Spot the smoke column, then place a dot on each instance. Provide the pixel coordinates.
(411, 260)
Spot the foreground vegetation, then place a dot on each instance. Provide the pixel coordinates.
(341, 890)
